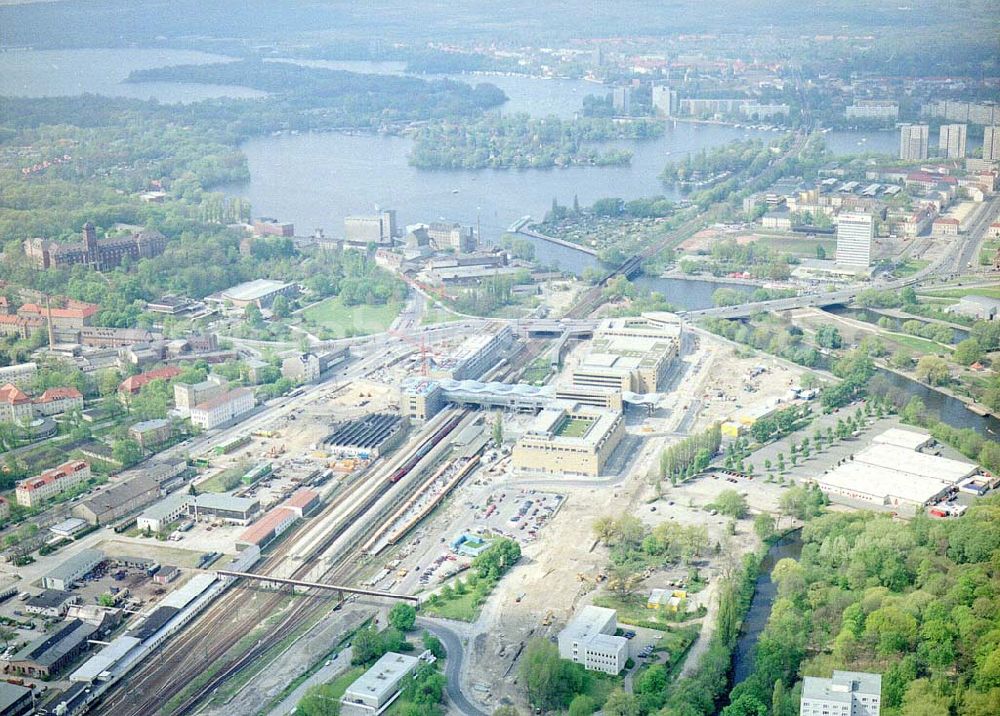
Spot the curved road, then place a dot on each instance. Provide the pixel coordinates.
(453, 667)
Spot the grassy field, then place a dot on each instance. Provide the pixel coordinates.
(802, 247)
(911, 266)
(345, 321)
(461, 607)
(916, 343)
(226, 480)
(153, 549)
(632, 610)
(537, 371)
(989, 291)
(333, 690)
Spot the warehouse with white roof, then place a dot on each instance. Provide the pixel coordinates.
(909, 439)
(893, 473)
(894, 457)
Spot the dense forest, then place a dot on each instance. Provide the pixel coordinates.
(918, 602)
(334, 98)
(521, 141)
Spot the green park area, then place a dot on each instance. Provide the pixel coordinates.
(345, 321)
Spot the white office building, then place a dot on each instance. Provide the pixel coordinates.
(855, 232)
(848, 693)
(589, 639)
(375, 690)
(951, 141)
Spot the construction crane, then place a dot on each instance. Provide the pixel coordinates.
(425, 350)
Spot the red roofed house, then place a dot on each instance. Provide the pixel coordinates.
(994, 230)
(133, 384)
(15, 405)
(35, 490)
(71, 314)
(56, 401)
(945, 226)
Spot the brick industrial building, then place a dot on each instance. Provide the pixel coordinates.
(99, 254)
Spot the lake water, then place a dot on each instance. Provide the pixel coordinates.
(58, 73)
(315, 180)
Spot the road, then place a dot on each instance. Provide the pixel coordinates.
(453, 666)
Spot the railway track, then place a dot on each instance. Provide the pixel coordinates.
(182, 659)
(212, 635)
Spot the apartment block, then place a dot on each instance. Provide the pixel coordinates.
(913, 142)
(36, 490)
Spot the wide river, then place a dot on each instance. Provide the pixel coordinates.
(315, 180)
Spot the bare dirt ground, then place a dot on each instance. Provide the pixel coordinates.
(559, 296)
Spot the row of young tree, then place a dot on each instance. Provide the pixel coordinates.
(690, 455)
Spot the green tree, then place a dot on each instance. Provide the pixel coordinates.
(891, 630)
(967, 352)
(403, 616)
(581, 705)
(731, 503)
(550, 682)
(498, 430)
(620, 703)
(746, 705)
(280, 307)
(933, 370)
(433, 645)
(763, 526)
(367, 646)
(253, 315)
(127, 452)
(922, 700)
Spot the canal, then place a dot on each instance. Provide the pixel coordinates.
(765, 591)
